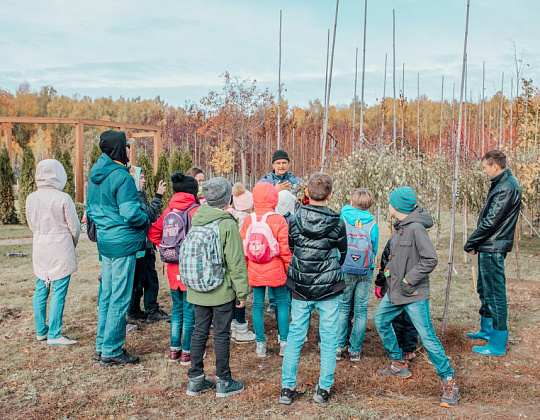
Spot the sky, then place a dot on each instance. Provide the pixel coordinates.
(178, 49)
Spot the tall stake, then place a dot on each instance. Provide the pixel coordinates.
(418, 116)
(536, 130)
(441, 119)
(501, 140)
(279, 88)
(363, 78)
(455, 180)
(402, 101)
(325, 126)
(483, 107)
(326, 83)
(354, 100)
(511, 109)
(383, 99)
(394, 73)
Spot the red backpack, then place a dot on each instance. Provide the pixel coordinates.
(260, 246)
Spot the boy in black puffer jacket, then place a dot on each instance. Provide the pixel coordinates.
(318, 240)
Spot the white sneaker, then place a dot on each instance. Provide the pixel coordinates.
(261, 349)
(42, 337)
(282, 346)
(60, 341)
(131, 327)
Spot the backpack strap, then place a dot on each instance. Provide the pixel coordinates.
(192, 207)
(253, 218)
(270, 213)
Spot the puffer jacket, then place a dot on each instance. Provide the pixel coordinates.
(179, 201)
(53, 220)
(386, 256)
(273, 178)
(318, 241)
(274, 272)
(499, 216)
(413, 257)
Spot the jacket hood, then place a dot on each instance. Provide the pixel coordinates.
(51, 174)
(113, 144)
(316, 222)
(207, 214)
(286, 203)
(419, 215)
(182, 201)
(265, 197)
(135, 172)
(103, 168)
(352, 214)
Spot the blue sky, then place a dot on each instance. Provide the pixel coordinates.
(178, 49)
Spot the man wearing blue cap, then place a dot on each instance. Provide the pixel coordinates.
(413, 258)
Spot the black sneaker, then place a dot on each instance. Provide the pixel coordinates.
(124, 359)
(97, 356)
(321, 395)
(136, 316)
(451, 394)
(226, 387)
(287, 396)
(199, 385)
(156, 315)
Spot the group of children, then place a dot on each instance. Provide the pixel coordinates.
(311, 259)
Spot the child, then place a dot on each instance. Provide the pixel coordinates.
(272, 271)
(198, 174)
(413, 259)
(146, 279)
(53, 220)
(219, 302)
(286, 205)
(182, 319)
(363, 241)
(242, 202)
(318, 239)
(406, 334)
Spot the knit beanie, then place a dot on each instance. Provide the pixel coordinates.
(242, 198)
(184, 183)
(286, 203)
(280, 154)
(217, 192)
(403, 199)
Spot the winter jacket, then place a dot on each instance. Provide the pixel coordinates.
(351, 215)
(179, 201)
(498, 218)
(318, 241)
(235, 284)
(413, 257)
(274, 272)
(386, 256)
(273, 178)
(152, 209)
(114, 205)
(53, 220)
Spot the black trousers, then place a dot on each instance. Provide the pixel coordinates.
(145, 282)
(223, 315)
(406, 334)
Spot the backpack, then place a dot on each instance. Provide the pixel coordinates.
(201, 260)
(260, 246)
(175, 227)
(359, 257)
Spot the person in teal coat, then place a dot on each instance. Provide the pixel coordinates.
(114, 206)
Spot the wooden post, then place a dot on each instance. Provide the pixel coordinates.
(131, 150)
(158, 145)
(79, 162)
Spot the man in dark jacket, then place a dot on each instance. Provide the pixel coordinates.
(318, 240)
(492, 239)
(413, 258)
(121, 222)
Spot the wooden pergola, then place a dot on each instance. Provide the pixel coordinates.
(147, 131)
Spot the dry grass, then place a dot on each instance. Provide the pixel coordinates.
(41, 382)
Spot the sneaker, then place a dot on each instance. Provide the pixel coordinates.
(451, 394)
(227, 387)
(136, 316)
(240, 333)
(339, 354)
(409, 356)
(174, 355)
(131, 327)
(185, 358)
(321, 395)
(354, 357)
(60, 341)
(261, 349)
(397, 369)
(271, 310)
(123, 359)
(199, 385)
(282, 345)
(287, 396)
(97, 356)
(156, 315)
(42, 337)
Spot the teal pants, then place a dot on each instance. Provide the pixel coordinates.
(59, 290)
(491, 288)
(113, 302)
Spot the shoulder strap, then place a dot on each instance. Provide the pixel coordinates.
(266, 216)
(253, 218)
(192, 207)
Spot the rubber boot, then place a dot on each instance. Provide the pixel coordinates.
(240, 333)
(496, 345)
(486, 327)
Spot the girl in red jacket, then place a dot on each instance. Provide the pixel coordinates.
(182, 317)
(273, 273)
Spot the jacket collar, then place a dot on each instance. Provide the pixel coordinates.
(505, 174)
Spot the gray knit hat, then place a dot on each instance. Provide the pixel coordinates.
(217, 192)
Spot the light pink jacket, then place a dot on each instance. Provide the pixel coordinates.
(53, 220)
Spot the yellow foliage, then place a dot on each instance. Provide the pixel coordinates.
(222, 159)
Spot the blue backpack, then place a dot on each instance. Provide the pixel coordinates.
(176, 225)
(359, 257)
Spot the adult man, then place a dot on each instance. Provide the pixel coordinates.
(113, 204)
(492, 239)
(280, 177)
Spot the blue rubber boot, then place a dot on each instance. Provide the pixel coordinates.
(486, 327)
(496, 345)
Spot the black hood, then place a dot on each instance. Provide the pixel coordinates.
(113, 144)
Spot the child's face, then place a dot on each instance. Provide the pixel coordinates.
(199, 178)
(391, 210)
(142, 181)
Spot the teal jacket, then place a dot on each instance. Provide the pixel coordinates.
(351, 214)
(114, 205)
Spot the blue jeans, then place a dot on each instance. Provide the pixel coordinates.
(113, 302)
(281, 294)
(328, 326)
(56, 310)
(419, 314)
(182, 321)
(357, 286)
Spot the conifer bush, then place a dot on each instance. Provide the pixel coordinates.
(148, 171)
(163, 174)
(27, 181)
(68, 167)
(8, 215)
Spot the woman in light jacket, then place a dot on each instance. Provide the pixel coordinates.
(53, 220)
